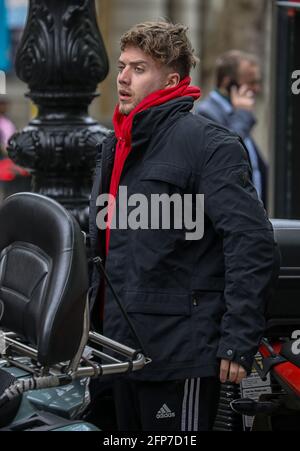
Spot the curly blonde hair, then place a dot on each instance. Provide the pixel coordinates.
(165, 42)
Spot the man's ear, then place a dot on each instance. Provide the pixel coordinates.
(173, 80)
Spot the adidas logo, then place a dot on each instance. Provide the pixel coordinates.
(164, 412)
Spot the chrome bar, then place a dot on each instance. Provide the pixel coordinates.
(100, 370)
(105, 356)
(118, 368)
(87, 371)
(136, 360)
(135, 365)
(22, 366)
(74, 364)
(112, 345)
(20, 347)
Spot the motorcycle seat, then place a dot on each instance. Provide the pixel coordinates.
(43, 276)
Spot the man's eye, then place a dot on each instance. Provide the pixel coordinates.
(139, 70)
(120, 68)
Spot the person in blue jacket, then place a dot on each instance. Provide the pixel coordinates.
(232, 104)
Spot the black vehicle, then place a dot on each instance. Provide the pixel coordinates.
(279, 409)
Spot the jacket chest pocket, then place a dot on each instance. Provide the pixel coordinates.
(163, 187)
(163, 178)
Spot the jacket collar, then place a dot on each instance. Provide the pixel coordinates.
(156, 118)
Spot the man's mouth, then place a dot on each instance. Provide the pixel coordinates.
(124, 95)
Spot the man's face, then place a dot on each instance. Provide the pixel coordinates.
(139, 75)
(250, 75)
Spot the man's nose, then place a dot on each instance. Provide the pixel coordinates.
(124, 76)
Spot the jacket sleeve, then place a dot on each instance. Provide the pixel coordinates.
(249, 249)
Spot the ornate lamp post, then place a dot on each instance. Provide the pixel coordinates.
(62, 59)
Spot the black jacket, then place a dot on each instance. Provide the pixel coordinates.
(192, 303)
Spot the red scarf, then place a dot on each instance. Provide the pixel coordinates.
(123, 127)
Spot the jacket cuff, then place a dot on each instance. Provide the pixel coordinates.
(233, 355)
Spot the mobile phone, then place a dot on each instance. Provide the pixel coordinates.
(232, 84)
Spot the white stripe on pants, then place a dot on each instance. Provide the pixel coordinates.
(190, 405)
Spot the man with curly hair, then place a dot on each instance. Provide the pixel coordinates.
(197, 305)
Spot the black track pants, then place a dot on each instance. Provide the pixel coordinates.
(189, 405)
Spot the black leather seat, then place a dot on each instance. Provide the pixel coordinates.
(43, 276)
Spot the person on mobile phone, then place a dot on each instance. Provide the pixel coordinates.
(232, 104)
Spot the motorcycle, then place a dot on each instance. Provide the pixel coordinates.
(278, 362)
(48, 354)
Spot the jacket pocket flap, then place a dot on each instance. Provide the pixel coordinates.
(166, 173)
(157, 303)
(208, 284)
